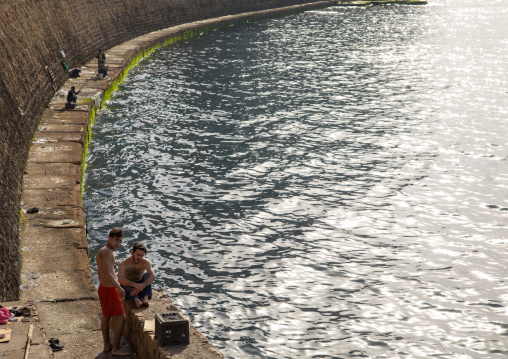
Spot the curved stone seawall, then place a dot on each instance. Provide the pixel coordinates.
(32, 34)
(56, 276)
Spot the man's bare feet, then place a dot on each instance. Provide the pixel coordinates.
(120, 353)
(107, 347)
(138, 303)
(145, 301)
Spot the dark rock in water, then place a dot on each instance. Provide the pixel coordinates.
(33, 210)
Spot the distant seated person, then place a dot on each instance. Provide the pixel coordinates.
(136, 276)
(72, 98)
(103, 71)
(74, 73)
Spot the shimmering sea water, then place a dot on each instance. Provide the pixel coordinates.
(332, 184)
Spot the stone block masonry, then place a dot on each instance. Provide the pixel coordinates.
(140, 330)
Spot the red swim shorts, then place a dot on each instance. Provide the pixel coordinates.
(111, 303)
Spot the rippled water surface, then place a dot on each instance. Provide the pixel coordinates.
(331, 184)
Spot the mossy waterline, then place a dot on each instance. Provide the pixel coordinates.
(21, 218)
(87, 139)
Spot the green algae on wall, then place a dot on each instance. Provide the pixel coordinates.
(22, 217)
(87, 139)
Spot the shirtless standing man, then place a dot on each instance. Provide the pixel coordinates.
(110, 293)
(136, 275)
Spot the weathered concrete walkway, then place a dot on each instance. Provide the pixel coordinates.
(56, 275)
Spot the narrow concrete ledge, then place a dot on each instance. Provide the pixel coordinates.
(56, 273)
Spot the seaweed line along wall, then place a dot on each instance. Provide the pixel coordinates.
(32, 35)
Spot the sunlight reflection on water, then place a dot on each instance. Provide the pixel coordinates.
(325, 185)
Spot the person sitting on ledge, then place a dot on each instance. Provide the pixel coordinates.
(103, 71)
(136, 276)
(72, 98)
